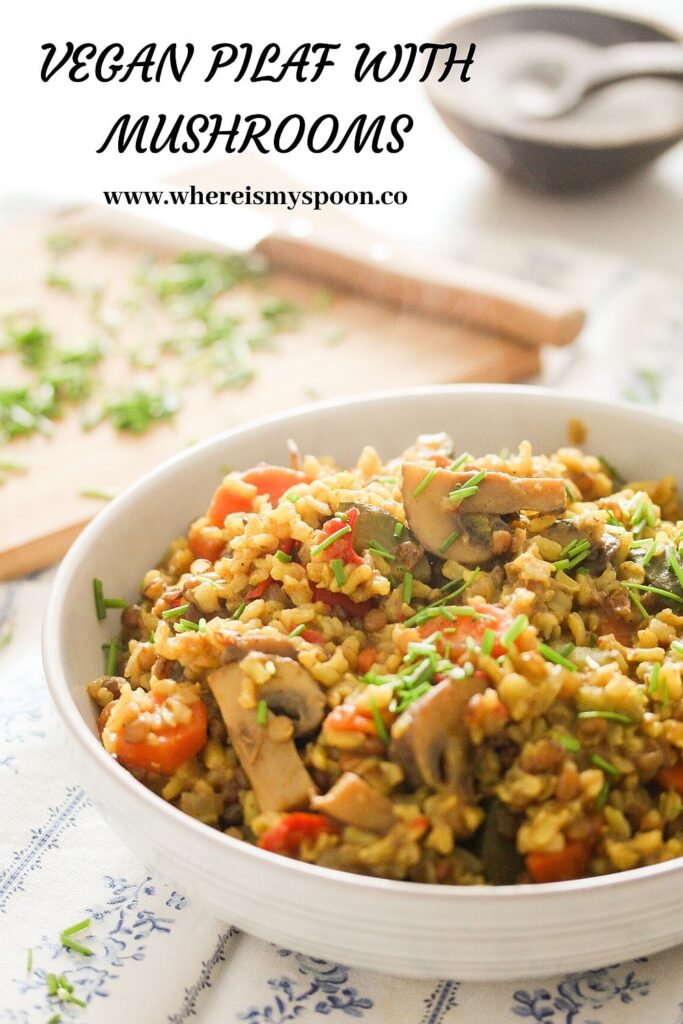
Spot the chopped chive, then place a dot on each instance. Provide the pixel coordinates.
(487, 641)
(115, 602)
(29, 960)
(152, 637)
(343, 516)
(613, 521)
(615, 475)
(75, 946)
(602, 796)
(98, 593)
(55, 1019)
(51, 981)
(450, 539)
(262, 712)
(293, 498)
(677, 647)
(558, 659)
(172, 613)
(675, 565)
(337, 567)
(282, 556)
(378, 549)
(186, 626)
(330, 540)
(604, 765)
(379, 724)
(655, 590)
(238, 610)
(398, 530)
(665, 696)
(113, 657)
(654, 678)
(407, 587)
(638, 604)
(425, 482)
(561, 563)
(79, 927)
(96, 495)
(467, 488)
(649, 553)
(568, 742)
(574, 547)
(298, 630)
(514, 630)
(460, 461)
(63, 982)
(610, 716)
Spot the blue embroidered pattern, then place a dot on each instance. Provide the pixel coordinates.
(584, 991)
(24, 703)
(121, 929)
(45, 837)
(292, 997)
(189, 1007)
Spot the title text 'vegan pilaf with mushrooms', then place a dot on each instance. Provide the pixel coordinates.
(445, 668)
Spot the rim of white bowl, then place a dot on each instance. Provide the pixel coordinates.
(145, 799)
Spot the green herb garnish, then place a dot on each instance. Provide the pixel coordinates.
(460, 461)
(407, 587)
(298, 630)
(238, 611)
(66, 940)
(610, 716)
(558, 659)
(450, 539)
(425, 482)
(112, 657)
(341, 532)
(98, 592)
(282, 556)
(379, 724)
(173, 613)
(655, 590)
(466, 489)
(262, 712)
(602, 796)
(568, 742)
(96, 495)
(604, 765)
(514, 630)
(378, 549)
(186, 626)
(337, 566)
(398, 530)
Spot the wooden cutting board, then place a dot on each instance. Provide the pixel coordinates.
(352, 345)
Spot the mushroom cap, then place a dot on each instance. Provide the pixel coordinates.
(429, 740)
(238, 645)
(433, 518)
(293, 692)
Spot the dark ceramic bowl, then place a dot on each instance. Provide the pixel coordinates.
(564, 154)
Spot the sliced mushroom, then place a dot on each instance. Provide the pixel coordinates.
(356, 802)
(267, 752)
(658, 573)
(430, 742)
(238, 645)
(374, 524)
(435, 519)
(293, 692)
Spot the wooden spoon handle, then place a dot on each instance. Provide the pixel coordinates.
(519, 309)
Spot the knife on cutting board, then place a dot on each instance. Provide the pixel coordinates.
(499, 303)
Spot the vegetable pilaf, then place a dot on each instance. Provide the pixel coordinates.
(443, 668)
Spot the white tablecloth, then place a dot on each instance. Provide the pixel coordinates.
(159, 958)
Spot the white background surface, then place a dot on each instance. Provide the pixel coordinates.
(51, 131)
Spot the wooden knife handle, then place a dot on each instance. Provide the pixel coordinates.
(519, 309)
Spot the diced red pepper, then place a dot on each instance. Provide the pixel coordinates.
(343, 547)
(294, 829)
(349, 718)
(570, 862)
(257, 591)
(313, 636)
(671, 778)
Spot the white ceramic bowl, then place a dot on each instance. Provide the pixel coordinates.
(397, 927)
